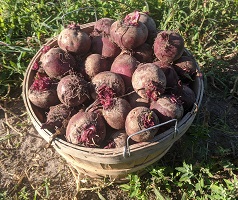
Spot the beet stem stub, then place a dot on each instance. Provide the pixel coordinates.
(88, 135)
(132, 20)
(45, 49)
(105, 96)
(154, 89)
(35, 66)
(147, 120)
(41, 83)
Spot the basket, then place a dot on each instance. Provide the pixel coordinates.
(114, 164)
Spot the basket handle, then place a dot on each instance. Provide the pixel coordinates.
(127, 152)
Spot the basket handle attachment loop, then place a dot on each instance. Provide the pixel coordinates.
(127, 152)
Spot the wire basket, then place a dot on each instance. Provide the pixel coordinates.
(117, 163)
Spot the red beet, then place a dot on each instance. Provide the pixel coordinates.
(186, 68)
(95, 64)
(125, 65)
(144, 53)
(135, 100)
(168, 46)
(57, 116)
(149, 81)
(167, 107)
(103, 25)
(73, 39)
(42, 93)
(138, 119)
(115, 114)
(186, 95)
(107, 84)
(150, 24)
(171, 75)
(129, 33)
(117, 140)
(57, 63)
(73, 90)
(86, 129)
(105, 46)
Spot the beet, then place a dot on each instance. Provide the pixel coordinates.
(149, 81)
(167, 107)
(125, 65)
(73, 39)
(115, 114)
(144, 53)
(105, 46)
(168, 46)
(135, 100)
(73, 90)
(186, 95)
(57, 63)
(186, 68)
(117, 140)
(42, 92)
(107, 82)
(138, 119)
(171, 75)
(86, 129)
(150, 24)
(58, 116)
(129, 33)
(103, 25)
(95, 64)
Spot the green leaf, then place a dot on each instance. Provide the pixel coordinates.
(216, 189)
(181, 169)
(185, 196)
(158, 195)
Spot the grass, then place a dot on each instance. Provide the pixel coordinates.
(210, 32)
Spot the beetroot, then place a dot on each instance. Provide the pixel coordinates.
(73, 90)
(115, 114)
(168, 46)
(125, 65)
(103, 45)
(42, 93)
(186, 68)
(58, 116)
(73, 39)
(57, 63)
(186, 95)
(103, 25)
(117, 140)
(144, 53)
(86, 129)
(95, 64)
(138, 119)
(129, 33)
(106, 83)
(171, 75)
(167, 107)
(150, 24)
(149, 81)
(135, 100)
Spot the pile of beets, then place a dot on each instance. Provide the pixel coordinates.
(125, 76)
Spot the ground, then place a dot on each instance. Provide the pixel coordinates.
(29, 168)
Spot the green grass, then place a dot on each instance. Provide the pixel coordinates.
(210, 32)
